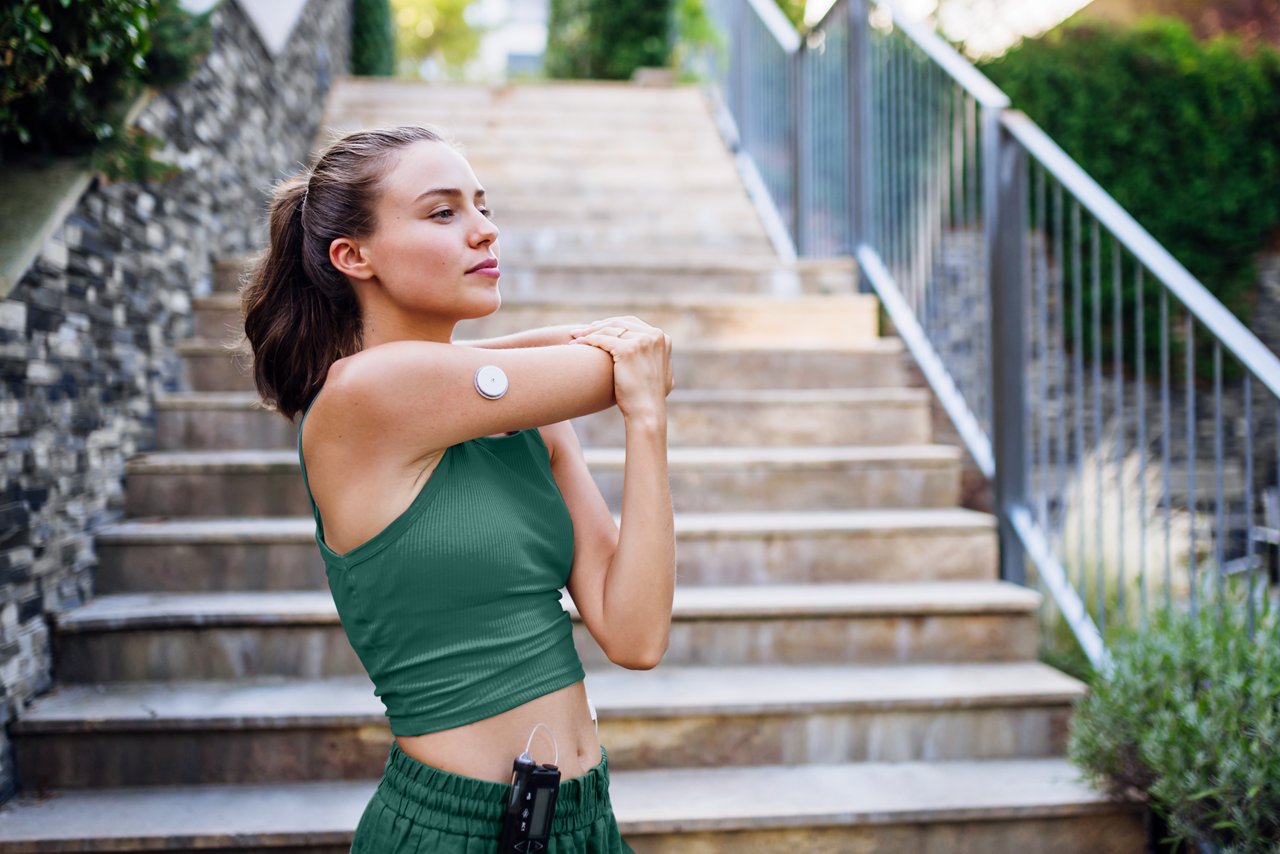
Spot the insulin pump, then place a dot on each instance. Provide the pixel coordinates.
(526, 822)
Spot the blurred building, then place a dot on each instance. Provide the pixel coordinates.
(514, 40)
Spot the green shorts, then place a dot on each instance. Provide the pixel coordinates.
(420, 808)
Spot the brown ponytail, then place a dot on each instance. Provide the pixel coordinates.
(300, 313)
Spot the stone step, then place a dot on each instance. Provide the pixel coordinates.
(741, 321)
(211, 365)
(228, 554)
(175, 733)
(479, 118)
(962, 807)
(579, 94)
(626, 174)
(525, 236)
(162, 636)
(533, 141)
(695, 417)
(703, 480)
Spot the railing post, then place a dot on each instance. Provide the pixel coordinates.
(859, 73)
(799, 146)
(738, 69)
(1004, 215)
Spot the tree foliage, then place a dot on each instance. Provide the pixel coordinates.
(373, 39)
(69, 69)
(434, 30)
(1181, 132)
(606, 39)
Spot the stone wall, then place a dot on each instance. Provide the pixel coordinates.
(87, 335)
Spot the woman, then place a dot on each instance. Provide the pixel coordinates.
(450, 494)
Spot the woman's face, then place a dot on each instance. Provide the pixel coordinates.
(431, 231)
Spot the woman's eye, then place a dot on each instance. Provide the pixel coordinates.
(487, 212)
(442, 213)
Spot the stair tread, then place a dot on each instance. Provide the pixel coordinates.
(852, 396)
(140, 610)
(224, 529)
(580, 302)
(645, 801)
(890, 346)
(158, 462)
(669, 691)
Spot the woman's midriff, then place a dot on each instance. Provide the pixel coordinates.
(486, 749)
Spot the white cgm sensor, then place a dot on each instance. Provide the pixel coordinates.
(491, 382)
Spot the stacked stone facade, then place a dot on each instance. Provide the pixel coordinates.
(87, 335)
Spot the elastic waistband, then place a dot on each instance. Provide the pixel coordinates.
(415, 790)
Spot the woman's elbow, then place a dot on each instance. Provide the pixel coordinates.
(640, 659)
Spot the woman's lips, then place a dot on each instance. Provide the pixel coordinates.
(491, 272)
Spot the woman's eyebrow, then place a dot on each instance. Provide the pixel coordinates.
(451, 192)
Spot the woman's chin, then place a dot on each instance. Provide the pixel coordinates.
(489, 306)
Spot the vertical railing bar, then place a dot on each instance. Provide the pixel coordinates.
(1045, 361)
(1191, 456)
(882, 145)
(1219, 512)
(1059, 297)
(1140, 349)
(1077, 365)
(1117, 288)
(1166, 425)
(799, 117)
(1250, 552)
(911, 198)
(937, 187)
(1005, 225)
(858, 73)
(1027, 267)
(971, 160)
(1099, 566)
(899, 169)
(957, 154)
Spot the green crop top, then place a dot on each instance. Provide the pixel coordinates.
(454, 607)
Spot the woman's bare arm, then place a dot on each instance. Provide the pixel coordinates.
(413, 398)
(543, 336)
(623, 579)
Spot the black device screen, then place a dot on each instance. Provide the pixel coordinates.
(538, 822)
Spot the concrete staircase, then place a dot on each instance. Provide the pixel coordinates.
(845, 671)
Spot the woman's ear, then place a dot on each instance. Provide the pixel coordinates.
(348, 257)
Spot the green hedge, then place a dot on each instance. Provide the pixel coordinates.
(1182, 133)
(373, 39)
(1188, 712)
(606, 39)
(68, 69)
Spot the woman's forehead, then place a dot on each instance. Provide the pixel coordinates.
(427, 166)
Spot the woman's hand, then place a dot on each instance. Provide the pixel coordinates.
(642, 376)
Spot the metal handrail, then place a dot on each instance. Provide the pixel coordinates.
(971, 225)
(1211, 313)
(778, 25)
(959, 69)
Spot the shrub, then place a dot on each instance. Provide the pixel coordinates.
(1181, 132)
(606, 39)
(70, 69)
(373, 39)
(1189, 714)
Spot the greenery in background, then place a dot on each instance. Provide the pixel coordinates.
(698, 44)
(794, 10)
(373, 39)
(1189, 713)
(1181, 132)
(435, 30)
(69, 70)
(606, 39)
